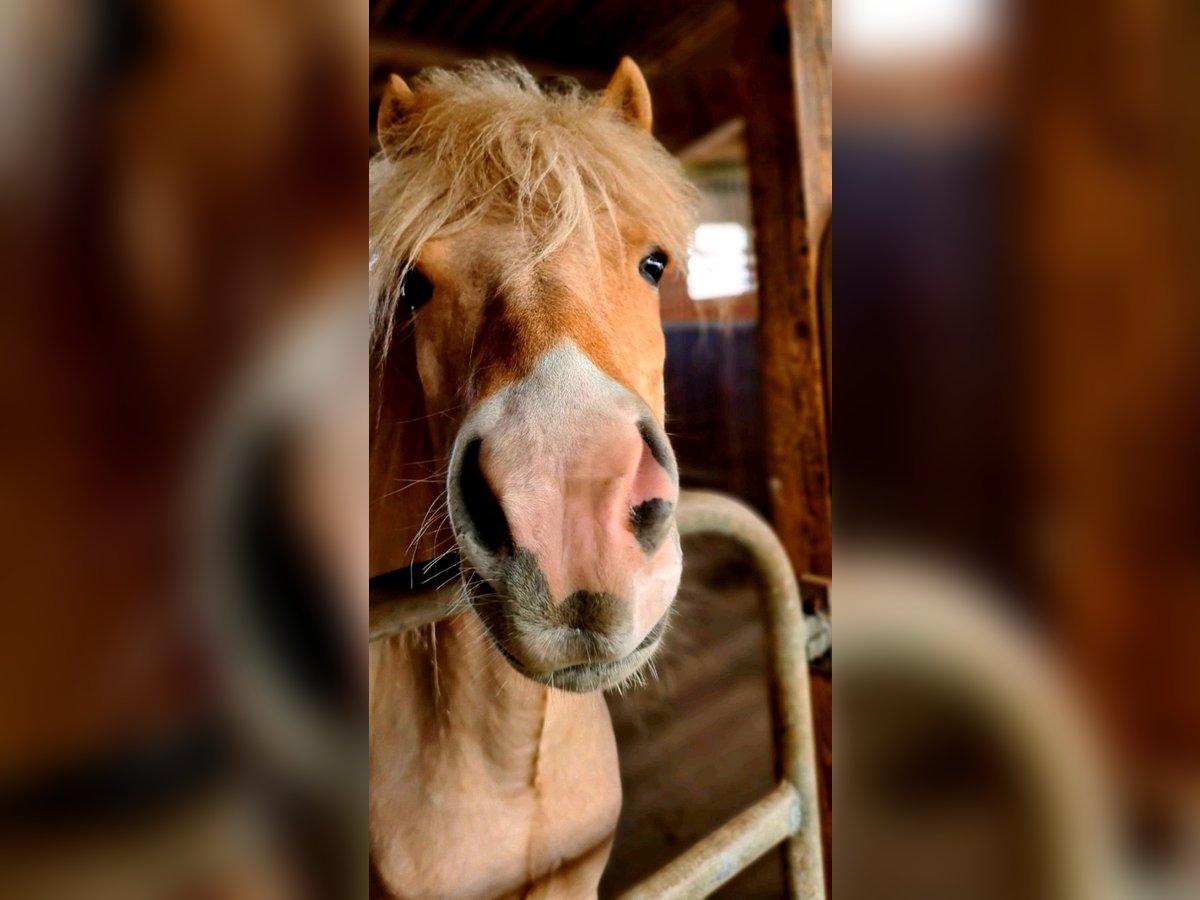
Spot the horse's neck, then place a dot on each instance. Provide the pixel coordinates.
(462, 693)
(483, 782)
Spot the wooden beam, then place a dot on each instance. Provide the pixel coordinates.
(724, 144)
(812, 60)
(679, 45)
(380, 11)
(407, 57)
(783, 88)
(783, 73)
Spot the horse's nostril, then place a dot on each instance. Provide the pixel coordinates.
(648, 521)
(485, 515)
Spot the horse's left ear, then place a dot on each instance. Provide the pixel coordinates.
(627, 93)
(397, 102)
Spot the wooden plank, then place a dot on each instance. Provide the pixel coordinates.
(380, 12)
(691, 34)
(724, 144)
(791, 192)
(406, 57)
(783, 71)
(812, 61)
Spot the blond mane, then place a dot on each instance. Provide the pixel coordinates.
(487, 141)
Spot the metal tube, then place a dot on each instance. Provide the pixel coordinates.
(705, 512)
(719, 857)
(393, 611)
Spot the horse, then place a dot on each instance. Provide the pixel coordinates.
(518, 236)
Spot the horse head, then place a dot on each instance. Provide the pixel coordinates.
(518, 238)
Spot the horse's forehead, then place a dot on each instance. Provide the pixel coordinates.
(505, 259)
(615, 328)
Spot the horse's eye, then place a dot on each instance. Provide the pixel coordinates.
(415, 290)
(653, 266)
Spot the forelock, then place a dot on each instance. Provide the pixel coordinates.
(486, 141)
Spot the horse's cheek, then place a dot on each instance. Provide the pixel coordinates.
(430, 367)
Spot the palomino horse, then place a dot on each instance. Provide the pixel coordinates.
(517, 239)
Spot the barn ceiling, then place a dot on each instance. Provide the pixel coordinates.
(685, 48)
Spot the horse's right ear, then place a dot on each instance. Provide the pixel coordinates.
(397, 103)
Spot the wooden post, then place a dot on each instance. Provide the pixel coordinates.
(784, 68)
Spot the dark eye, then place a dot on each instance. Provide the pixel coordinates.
(653, 266)
(415, 290)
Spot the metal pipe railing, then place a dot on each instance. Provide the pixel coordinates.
(703, 512)
(711, 862)
(392, 612)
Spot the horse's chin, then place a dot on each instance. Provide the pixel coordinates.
(587, 678)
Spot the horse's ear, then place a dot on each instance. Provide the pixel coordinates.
(627, 93)
(397, 102)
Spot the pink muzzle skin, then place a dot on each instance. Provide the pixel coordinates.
(562, 496)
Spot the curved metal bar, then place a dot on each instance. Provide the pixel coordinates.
(423, 593)
(392, 612)
(711, 862)
(704, 512)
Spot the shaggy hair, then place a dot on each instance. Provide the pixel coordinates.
(486, 142)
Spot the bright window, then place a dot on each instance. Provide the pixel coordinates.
(719, 265)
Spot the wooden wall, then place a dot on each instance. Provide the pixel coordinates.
(714, 411)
